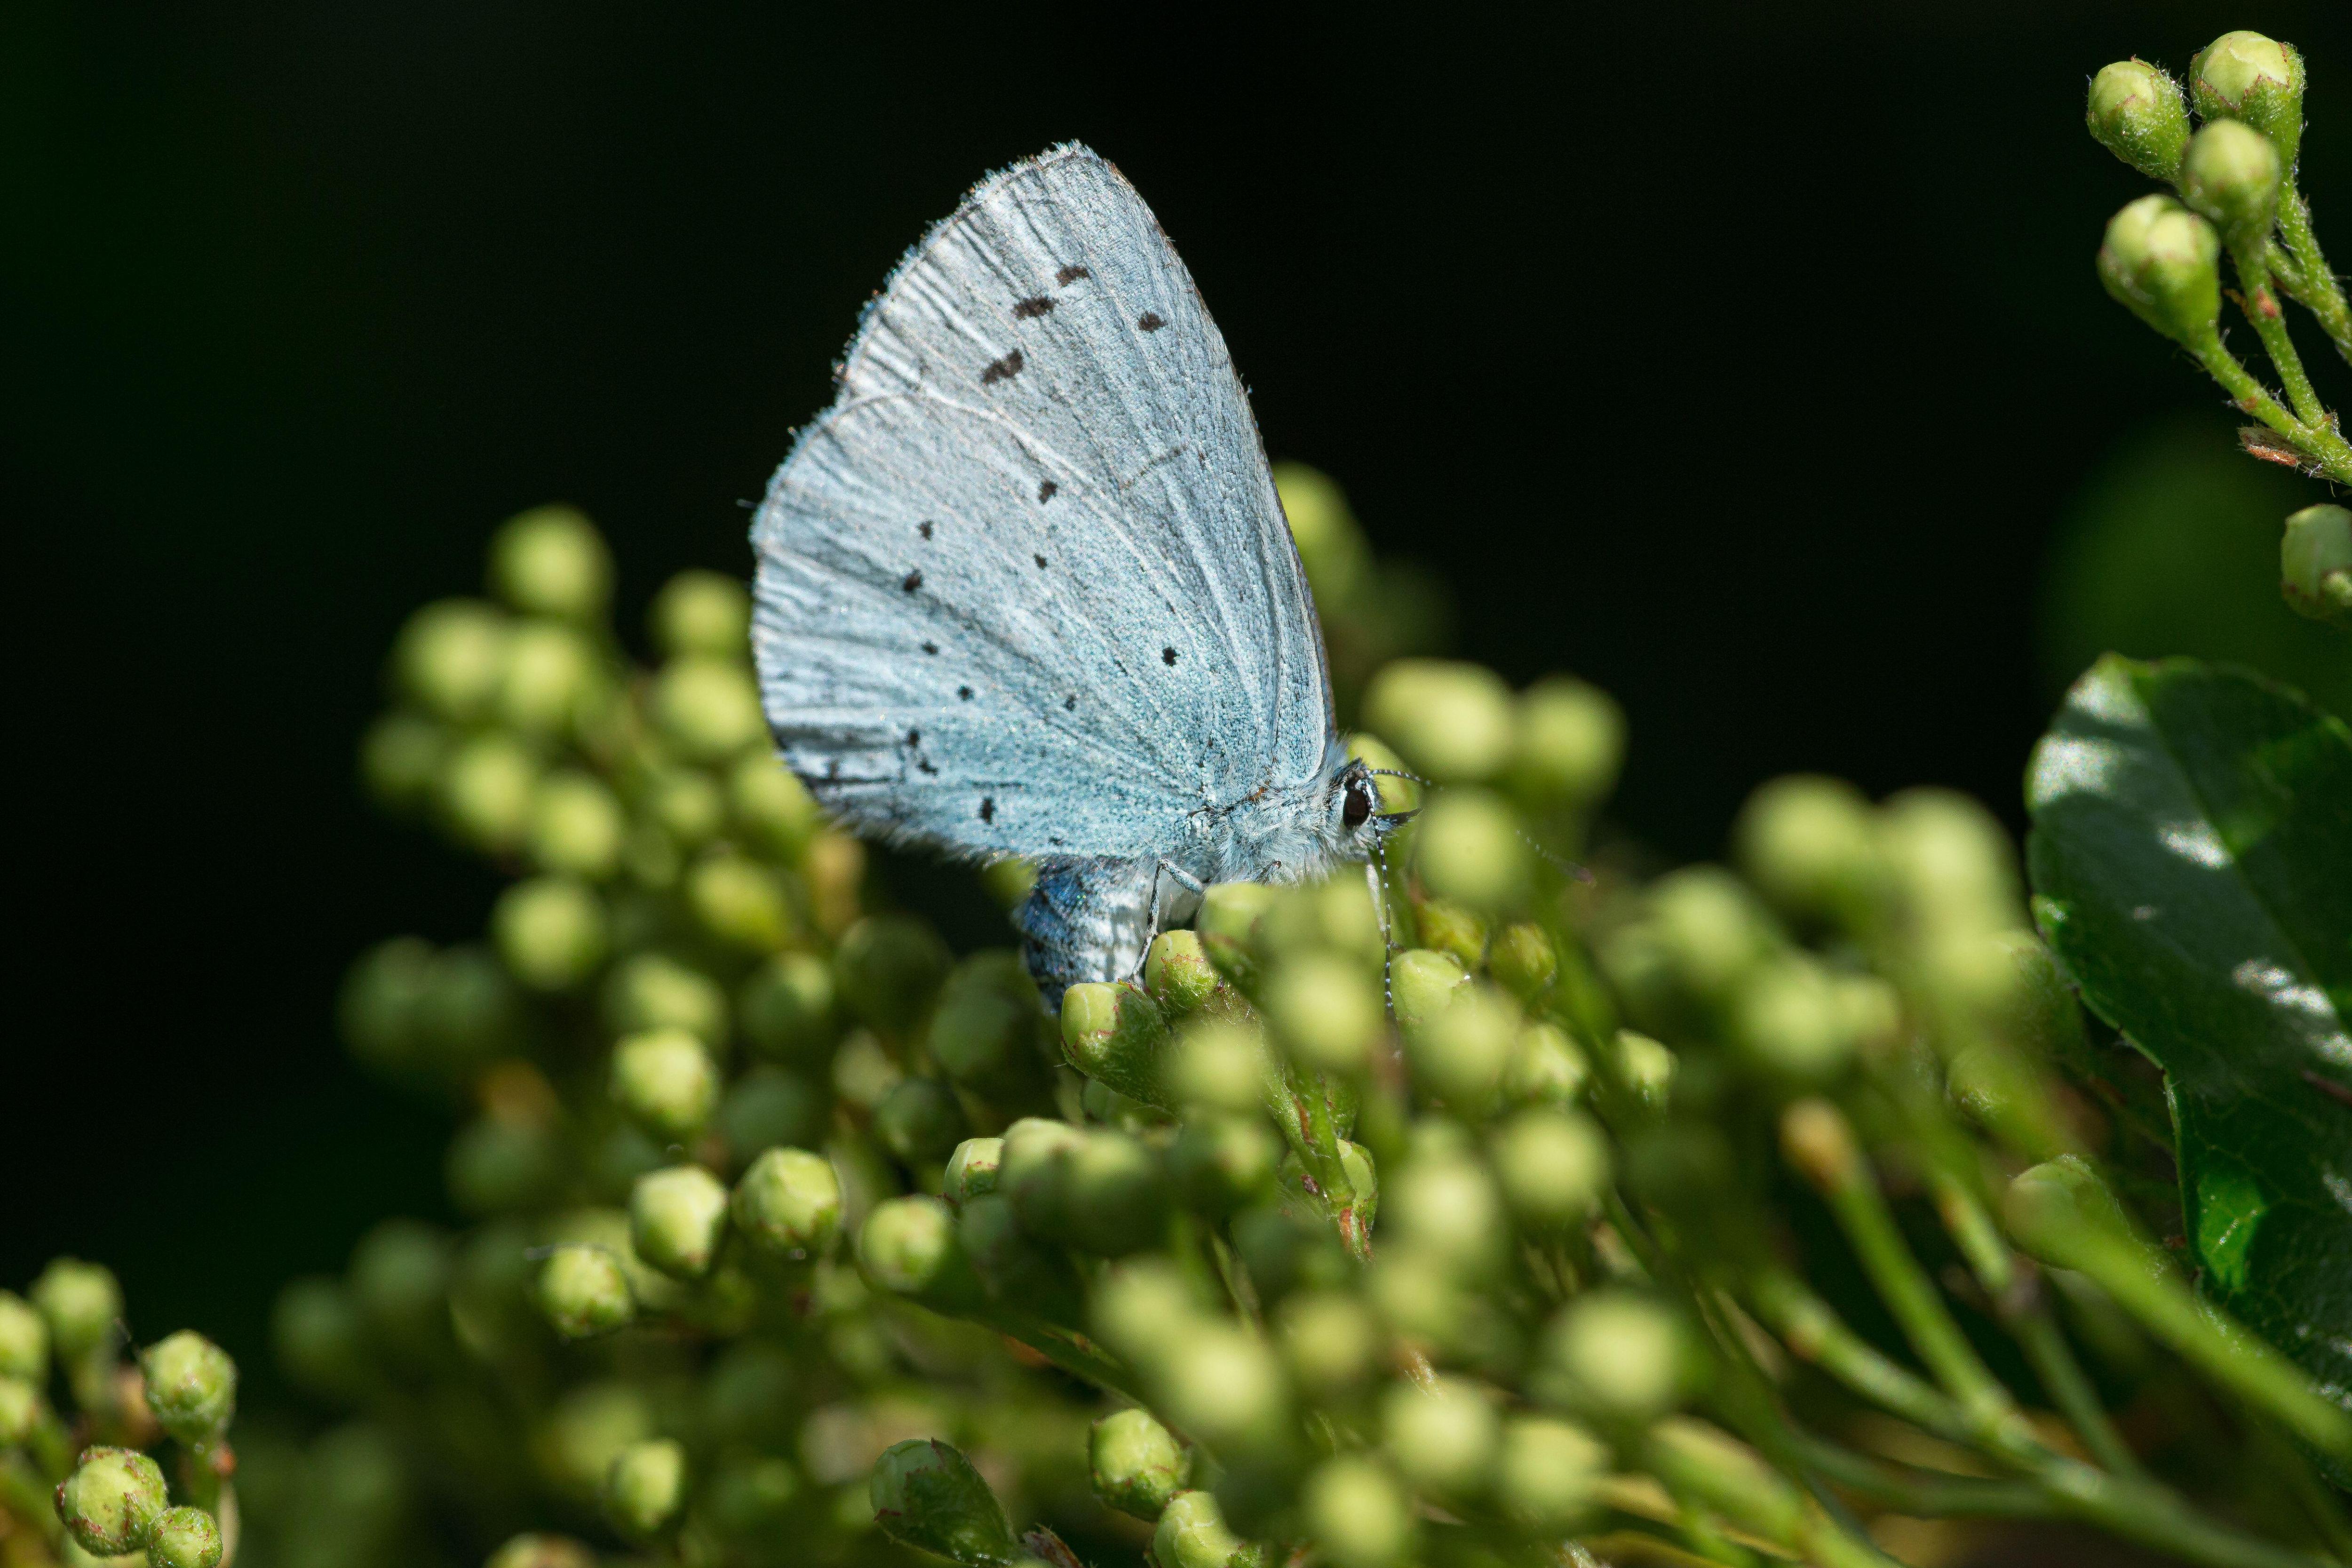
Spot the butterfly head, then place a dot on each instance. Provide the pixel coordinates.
(1358, 822)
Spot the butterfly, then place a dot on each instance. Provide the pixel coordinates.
(1025, 588)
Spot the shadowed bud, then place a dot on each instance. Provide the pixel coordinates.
(1116, 1035)
(1568, 740)
(2160, 261)
(1816, 1141)
(1452, 721)
(191, 1386)
(1136, 1464)
(1645, 1069)
(789, 1202)
(644, 1490)
(1546, 1066)
(2136, 112)
(2315, 564)
(2061, 1213)
(787, 1008)
(80, 1301)
(2246, 76)
(1192, 1534)
(971, 1169)
(926, 1495)
(1326, 1011)
(919, 1122)
(1226, 924)
(702, 612)
(1523, 961)
(583, 1291)
(708, 708)
(667, 1082)
(1143, 1308)
(24, 1339)
(1115, 1194)
(542, 1551)
(1549, 1474)
(550, 561)
(400, 758)
(677, 1217)
(1618, 1357)
(21, 1410)
(1331, 1342)
(551, 932)
(888, 969)
(1016, 1268)
(2231, 175)
(908, 1248)
(1358, 1515)
(448, 657)
(1222, 1164)
(184, 1538)
(1810, 845)
(1443, 1436)
(1469, 846)
(985, 1031)
(110, 1502)
(1553, 1166)
(1034, 1175)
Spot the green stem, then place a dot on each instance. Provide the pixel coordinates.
(2322, 445)
(1926, 1494)
(2313, 283)
(2262, 307)
(1814, 1332)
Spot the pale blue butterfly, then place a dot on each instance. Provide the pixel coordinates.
(1025, 589)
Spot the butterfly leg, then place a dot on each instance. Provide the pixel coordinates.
(1163, 911)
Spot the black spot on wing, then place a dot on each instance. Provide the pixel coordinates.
(1004, 369)
(1045, 490)
(923, 766)
(910, 582)
(1070, 704)
(1168, 656)
(914, 736)
(1150, 322)
(1036, 305)
(987, 808)
(1040, 560)
(930, 648)
(964, 693)
(1071, 274)
(924, 529)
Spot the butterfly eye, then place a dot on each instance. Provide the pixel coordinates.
(1358, 805)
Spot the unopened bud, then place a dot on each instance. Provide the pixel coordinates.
(888, 969)
(1816, 1140)
(184, 1538)
(21, 1410)
(926, 1495)
(1446, 1211)
(740, 900)
(1142, 1308)
(1116, 1035)
(1034, 1175)
(448, 657)
(1619, 1357)
(1645, 1069)
(1192, 1534)
(667, 1082)
(1568, 741)
(400, 758)
(535, 1551)
(2315, 564)
(550, 561)
(1953, 862)
(986, 1030)
(2231, 175)
(552, 932)
(2160, 261)
(1546, 1066)
(1470, 847)
(908, 1248)
(973, 1168)
(1549, 1473)
(1422, 983)
(773, 811)
(2136, 112)
(80, 1301)
(1136, 1464)
(549, 680)
(2063, 1214)
(2246, 76)
(1225, 1387)
(677, 1217)
(789, 1202)
(1458, 1053)
(709, 707)
(1178, 974)
(1332, 1341)
(1116, 1194)
(24, 1339)
(919, 1122)
(485, 791)
(646, 1488)
(787, 1008)
(1452, 721)
(191, 1386)
(110, 1502)
(1326, 1011)
(1443, 1435)
(1523, 961)
(1788, 1018)
(1810, 846)
(583, 1291)
(576, 827)
(1227, 923)
(702, 612)
(1553, 1166)
(1359, 1516)
(1222, 1163)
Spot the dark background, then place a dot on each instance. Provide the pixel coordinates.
(1746, 370)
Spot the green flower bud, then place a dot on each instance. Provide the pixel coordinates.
(908, 1248)
(919, 1122)
(2160, 261)
(191, 1386)
(1358, 1515)
(1469, 846)
(1567, 741)
(649, 991)
(1618, 1357)
(184, 1538)
(550, 561)
(1324, 1010)
(21, 1410)
(2231, 176)
(1422, 983)
(1546, 1068)
(1645, 1069)
(1451, 928)
(644, 1491)
(24, 1339)
(1143, 1308)
(1710, 929)
(1789, 1019)
(2063, 1214)
(583, 1291)
(316, 1334)
(926, 1495)
(1810, 846)
(973, 1168)
(1192, 1534)
(1452, 721)
(709, 707)
(888, 968)
(1034, 1175)
(80, 1301)
(383, 1005)
(1116, 1035)
(542, 1551)
(549, 680)
(1445, 1437)
(1953, 863)
(1286, 1250)
(1226, 924)
(1177, 972)
(686, 804)
(771, 810)
(576, 827)
(1553, 1166)
(985, 1031)
(1331, 1342)
(1017, 1269)
(1447, 1210)
(552, 932)
(485, 791)
(702, 612)
(1458, 1053)
(1224, 1386)
(400, 759)
(1331, 546)
(2137, 114)
(2315, 563)
(2246, 76)
(1549, 1474)
(1115, 1194)
(1222, 1164)
(1136, 1464)
(667, 1083)
(448, 657)
(751, 1498)
(1220, 1064)
(767, 1108)
(677, 1217)
(110, 1502)
(787, 1008)
(1523, 961)
(789, 1202)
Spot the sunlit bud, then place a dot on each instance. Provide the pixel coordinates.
(1034, 1174)
(533, 1550)
(1470, 847)
(1458, 1053)
(788, 1010)
(1450, 721)
(1178, 974)
(919, 1122)
(1546, 1068)
(1443, 1436)
(1116, 1194)
(2160, 261)
(1523, 961)
(1553, 1166)
(184, 1538)
(1810, 845)
(702, 612)
(1710, 928)
(80, 1301)
(788, 1203)
(485, 791)
(740, 900)
(1788, 1018)
(972, 1169)
(448, 658)
(1447, 1210)
(926, 1495)
(908, 1248)
(21, 1410)
(551, 932)
(191, 1386)
(550, 561)
(576, 826)
(2231, 176)
(1115, 1034)
(644, 1490)
(678, 1217)
(1331, 545)
(2062, 1213)
(24, 1339)
(110, 1502)
(1325, 1011)
(686, 804)
(583, 1291)
(1143, 1308)
(1952, 861)
(2315, 563)
(1568, 741)
(1223, 1385)
(1618, 1357)
(708, 708)
(2137, 114)
(1220, 1065)
(2246, 76)
(546, 678)
(1222, 1164)
(771, 810)
(1549, 1474)
(667, 1082)
(888, 968)
(1645, 1069)
(1136, 1464)
(649, 991)
(1226, 921)
(400, 758)
(1359, 1516)
(1192, 1534)
(1422, 984)
(1331, 1342)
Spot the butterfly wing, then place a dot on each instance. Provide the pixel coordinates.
(1025, 587)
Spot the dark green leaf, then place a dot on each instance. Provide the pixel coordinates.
(2191, 856)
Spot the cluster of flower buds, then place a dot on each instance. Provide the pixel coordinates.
(76, 1479)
